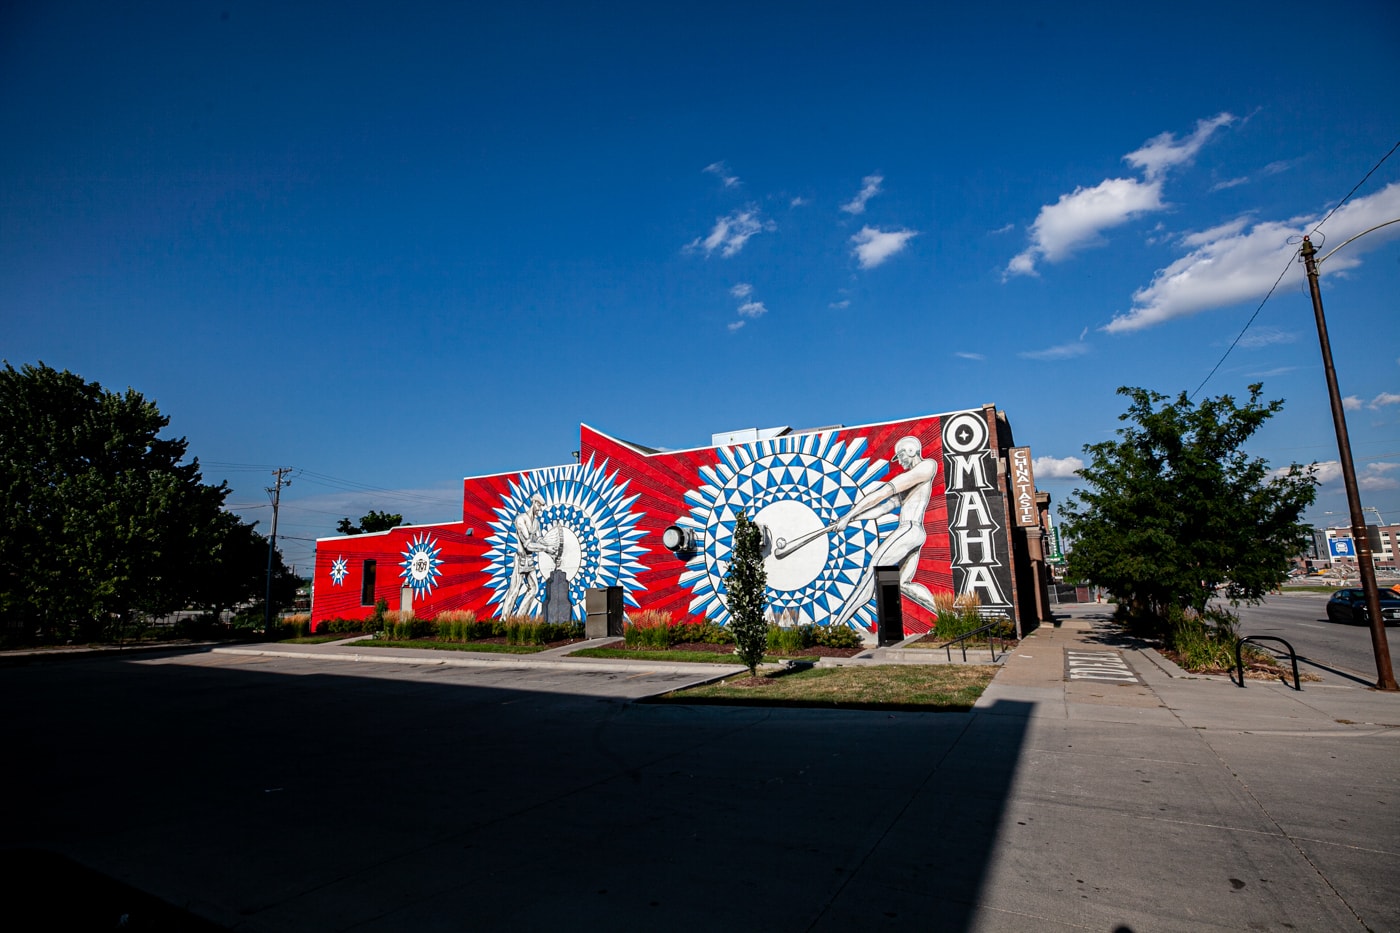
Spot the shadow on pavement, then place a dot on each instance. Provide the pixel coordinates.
(292, 795)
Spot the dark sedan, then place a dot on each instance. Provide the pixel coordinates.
(1350, 606)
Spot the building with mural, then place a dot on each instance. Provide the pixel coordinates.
(947, 499)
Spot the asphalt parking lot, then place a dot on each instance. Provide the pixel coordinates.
(268, 794)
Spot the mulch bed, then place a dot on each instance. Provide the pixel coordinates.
(497, 640)
(1253, 670)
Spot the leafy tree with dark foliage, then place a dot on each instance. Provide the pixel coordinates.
(371, 522)
(100, 520)
(1175, 508)
(236, 569)
(745, 583)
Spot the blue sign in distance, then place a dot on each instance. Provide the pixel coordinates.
(1341, 547)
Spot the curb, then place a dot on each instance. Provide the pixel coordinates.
(504, 661)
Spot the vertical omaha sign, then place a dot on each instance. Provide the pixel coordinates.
(1023, 489)
(979, 546)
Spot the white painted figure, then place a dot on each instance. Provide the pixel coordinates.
(909, 492)
(525, 574)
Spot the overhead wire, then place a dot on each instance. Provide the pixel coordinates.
(1291, 259)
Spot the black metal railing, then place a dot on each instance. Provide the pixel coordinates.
(1254, 640)
(990, 639)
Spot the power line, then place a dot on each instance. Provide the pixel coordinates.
(1291, 259)
(1246, 324)
(1356, 187)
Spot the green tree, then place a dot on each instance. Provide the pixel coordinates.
(100, 520)
(745, 583)
(235, 569)
(370, 522)
(1175, 508)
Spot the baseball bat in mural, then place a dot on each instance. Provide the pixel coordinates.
(783, 547)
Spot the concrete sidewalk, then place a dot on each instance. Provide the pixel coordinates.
(1164, 787)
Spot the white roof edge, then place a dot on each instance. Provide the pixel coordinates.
(831, 430)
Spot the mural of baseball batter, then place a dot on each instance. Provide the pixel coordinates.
(832, 510)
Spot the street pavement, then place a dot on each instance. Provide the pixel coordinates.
(1093, 787)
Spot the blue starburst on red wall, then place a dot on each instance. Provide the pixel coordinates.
(421, 564)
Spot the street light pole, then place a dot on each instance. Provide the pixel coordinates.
(1385, 674)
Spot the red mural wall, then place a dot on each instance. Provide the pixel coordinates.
(832, 504)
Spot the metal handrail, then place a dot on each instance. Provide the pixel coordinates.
(990, 638)
(1255, 639)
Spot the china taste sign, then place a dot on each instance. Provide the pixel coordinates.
(1023, 488)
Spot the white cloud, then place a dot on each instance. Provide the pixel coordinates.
(1234, 263)
(970, 356)
(873, 246)
(869, 187)
(1164, 151)
(1077, 219)
(742, 290)
(731, 232)
(797, 202)
(1004, 228)
(1372, 477)
(1326, 471)
(735, 325)
(752, 309)
(1266, 337)
(721, 171)
(1056, 467)
(1351, 403)
(841, 305)
(1064, 351)
(1230, 183)
(1374, 481)
(1385, 398)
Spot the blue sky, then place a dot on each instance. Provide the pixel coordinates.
(392, 245)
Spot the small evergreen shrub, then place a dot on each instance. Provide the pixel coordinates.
(375, 622)
(340, 626)
(745, 586)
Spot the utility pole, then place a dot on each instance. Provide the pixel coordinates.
(1385, 679)
(275, 491)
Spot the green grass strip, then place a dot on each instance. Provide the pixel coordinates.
(914, 687)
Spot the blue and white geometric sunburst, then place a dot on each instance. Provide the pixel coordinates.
(796, 487)
(588, 509)
(420, 565)
(340, 567)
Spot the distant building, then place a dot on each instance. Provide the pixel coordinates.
(1339, 548)
(945, 498)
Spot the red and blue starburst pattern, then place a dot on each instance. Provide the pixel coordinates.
(421, 562)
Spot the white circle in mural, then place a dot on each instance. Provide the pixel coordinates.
(965, 433)
(570, 557)
(790, 519)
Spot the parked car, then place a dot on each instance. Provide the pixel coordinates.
(1350, 606)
